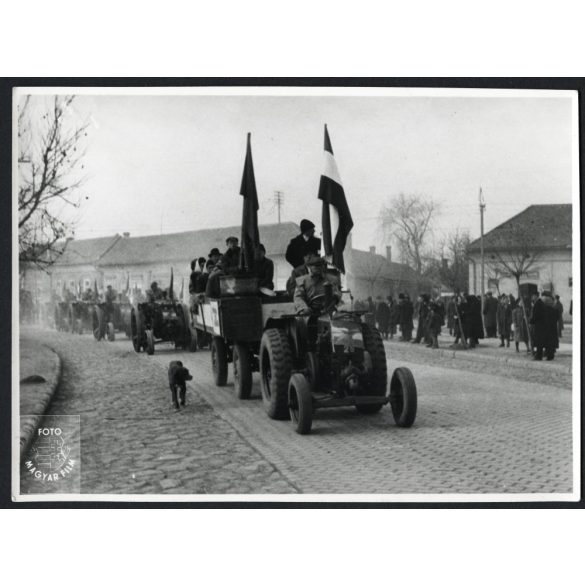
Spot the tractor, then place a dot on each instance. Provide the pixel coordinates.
(107, 318)
(161, 321)
(328, 359)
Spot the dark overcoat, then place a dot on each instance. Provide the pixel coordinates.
(298, 247)
(504, 319)
(490, 309)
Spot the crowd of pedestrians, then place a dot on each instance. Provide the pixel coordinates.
(536, 323)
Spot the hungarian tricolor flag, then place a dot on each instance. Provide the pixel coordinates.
(250, 236)
(336, 218)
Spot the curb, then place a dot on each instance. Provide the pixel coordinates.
(474, 356)
(30, 422)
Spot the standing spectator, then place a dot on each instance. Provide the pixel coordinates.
(382, 316)
(490, 309)
(520, 328)
(264, 269)
(394, 316)
(433, 325)
(504, 320)
(406, 313)
(451, 315)
(423, 311)
(559, 308)
(473, 324)
(544, 321)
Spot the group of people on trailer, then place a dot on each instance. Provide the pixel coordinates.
(306, 283)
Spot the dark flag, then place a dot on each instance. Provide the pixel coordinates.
(182, 288)
(250, 235)
(95, 289)
(336, 218)
(171, 296)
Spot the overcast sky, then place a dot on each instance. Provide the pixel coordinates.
(174, 163)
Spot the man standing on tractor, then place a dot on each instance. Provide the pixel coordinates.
(302, 244)
(310, 289)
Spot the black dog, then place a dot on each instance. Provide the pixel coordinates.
(178, 375)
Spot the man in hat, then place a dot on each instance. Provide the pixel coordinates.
(305, 242)
(301, 270)
(154, 293)
(490, 310)
(544, 320)
(264, 269)
(310, 289)
(230, 262)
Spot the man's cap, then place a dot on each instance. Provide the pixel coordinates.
(214, 252)
(231, 239)
(306, 225)
(489, 292)
(317, 261)
(400, 295)
(261, 247)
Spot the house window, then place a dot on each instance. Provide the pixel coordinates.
(86, 284)
(493, 283)
(534, 275)
(570, 282)
(71, 285)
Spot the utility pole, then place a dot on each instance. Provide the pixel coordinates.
(481, 210)
(278, 201)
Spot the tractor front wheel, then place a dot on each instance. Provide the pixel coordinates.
(403, 397)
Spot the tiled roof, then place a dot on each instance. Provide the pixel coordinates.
(367, 265)
(548, 226)
(166, 248)
(89, 251)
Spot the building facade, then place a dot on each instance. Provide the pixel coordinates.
(540, 239)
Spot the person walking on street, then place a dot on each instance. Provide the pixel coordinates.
(451, 315)
(394, 316)
(433, 325)
(504, 320)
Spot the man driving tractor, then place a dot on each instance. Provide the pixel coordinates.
(310, 289)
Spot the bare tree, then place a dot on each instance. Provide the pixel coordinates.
(514, 251)
(371, 269)
(408, 219)
(50, 156)
(454, 271)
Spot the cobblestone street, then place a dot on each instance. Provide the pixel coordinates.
(480, 429)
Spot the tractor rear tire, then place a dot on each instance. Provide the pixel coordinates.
(149, 342)
(403, 397)
(219, 361)
(374, 345)
(275, 371)
(242, 371)
(111, 332)
(300, 404)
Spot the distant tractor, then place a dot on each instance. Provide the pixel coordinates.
(161, 321)
(107, 318)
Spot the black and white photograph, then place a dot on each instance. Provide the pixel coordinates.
(295, 294)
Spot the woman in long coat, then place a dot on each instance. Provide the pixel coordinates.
(504, 320)
(383, 317)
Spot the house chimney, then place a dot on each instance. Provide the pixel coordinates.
(372, 249)
(126, 234)
(389, 253)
